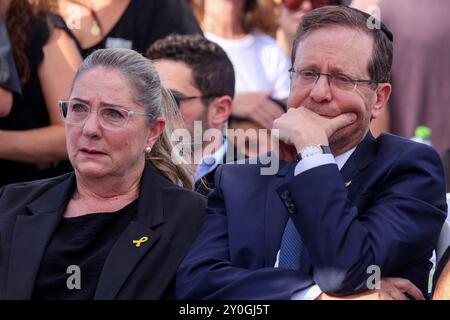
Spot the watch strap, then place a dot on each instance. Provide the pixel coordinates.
(325, 150)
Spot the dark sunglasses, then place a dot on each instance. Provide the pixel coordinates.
(294, 5)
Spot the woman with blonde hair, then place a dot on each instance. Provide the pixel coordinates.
(117, 227)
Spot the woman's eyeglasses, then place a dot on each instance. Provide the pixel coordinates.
(294, 5)
(110, 117)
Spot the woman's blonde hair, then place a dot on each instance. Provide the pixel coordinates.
(151, 95)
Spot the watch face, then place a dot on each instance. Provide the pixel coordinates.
(309, 151)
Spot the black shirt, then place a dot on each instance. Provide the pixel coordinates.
(85, 242)
(144, 22)
(30, 110)
(8, 73)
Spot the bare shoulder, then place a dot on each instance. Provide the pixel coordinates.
(59, 39)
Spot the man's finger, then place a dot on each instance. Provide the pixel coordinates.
(408, 287)
(267, 93)
(272, 109)
(397, 294)
(334, 124)
(263, 118)
(415, 293)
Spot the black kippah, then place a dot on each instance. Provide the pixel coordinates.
(383, 27)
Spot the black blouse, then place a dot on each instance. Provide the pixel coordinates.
(8, 73)
(144, 22)
(30, 110)
(83, 242)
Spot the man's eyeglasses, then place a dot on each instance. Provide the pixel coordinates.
(110, 117)
(339, 81)
(294, 5)
(178, 97)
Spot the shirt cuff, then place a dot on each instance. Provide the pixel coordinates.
(310, 293)
(313, 162)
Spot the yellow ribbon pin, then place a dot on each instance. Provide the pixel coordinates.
(141, 240)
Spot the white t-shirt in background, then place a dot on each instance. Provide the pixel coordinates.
(259, 63)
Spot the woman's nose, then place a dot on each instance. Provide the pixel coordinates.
(92, 125)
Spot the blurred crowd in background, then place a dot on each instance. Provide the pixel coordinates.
(44, 41)
(232, 74)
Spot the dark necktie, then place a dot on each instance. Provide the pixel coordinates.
(291, 250)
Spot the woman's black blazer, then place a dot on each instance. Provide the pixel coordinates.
(168, 215)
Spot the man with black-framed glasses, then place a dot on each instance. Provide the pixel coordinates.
(200, 77)
(346, 215)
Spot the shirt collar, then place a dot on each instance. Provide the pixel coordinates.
(342, 158)
(210, 162)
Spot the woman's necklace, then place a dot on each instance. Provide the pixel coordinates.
(96, 29)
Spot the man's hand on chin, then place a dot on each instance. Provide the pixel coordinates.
(301, 127)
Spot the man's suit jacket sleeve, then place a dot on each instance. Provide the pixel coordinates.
(208, 273)
(398, 226)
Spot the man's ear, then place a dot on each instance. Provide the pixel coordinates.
(219, 110)
(382, 95)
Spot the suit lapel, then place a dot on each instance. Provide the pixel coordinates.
(361, 158)
(32, 232)
(133, 244)
(137, 239)
(274, 211)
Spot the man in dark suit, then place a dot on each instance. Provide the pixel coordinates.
(344, 209)
(200, 75)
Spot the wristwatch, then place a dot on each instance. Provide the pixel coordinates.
(312, 150)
